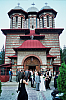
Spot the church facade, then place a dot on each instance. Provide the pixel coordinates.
(32, 42)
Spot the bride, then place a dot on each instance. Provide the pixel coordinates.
(42, 84)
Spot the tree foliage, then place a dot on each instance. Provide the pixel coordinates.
(0, 88)
(61, 81)
(63, 55)
(2, 55)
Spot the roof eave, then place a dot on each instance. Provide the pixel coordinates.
(5, 31)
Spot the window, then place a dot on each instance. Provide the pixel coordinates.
(32, 22)
(29, 23)
(21, 22)
(52, 22)
(39, 23)
(16, 21)
(12, 22)
(42, 22)
(55, 70)
(47, 21)
(7, 71)
(36, 22)
(3, 70)
(12, 61)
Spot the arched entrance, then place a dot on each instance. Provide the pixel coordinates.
(32, 62)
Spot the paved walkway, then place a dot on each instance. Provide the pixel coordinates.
(9, 92)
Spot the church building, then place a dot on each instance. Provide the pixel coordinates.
(32, 42)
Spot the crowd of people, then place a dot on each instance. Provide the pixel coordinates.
(37, 79)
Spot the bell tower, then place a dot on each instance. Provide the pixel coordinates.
(17, 17)
(46, 16)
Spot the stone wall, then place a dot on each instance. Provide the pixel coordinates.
(22, 54)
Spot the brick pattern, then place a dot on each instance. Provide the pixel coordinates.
(52, 41)
(12, 41)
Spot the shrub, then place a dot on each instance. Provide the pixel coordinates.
(0, 88)
(61, 81)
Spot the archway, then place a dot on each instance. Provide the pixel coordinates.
(32, 62)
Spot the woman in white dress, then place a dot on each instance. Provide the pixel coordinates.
(42, 85)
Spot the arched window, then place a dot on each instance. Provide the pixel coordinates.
(21, 22)
(16, 21)
(36, 22)
(12, 22)
(39, 23)
(47, 20)
(32, 22)
(52, 22)
(42, 22)
(28, 22)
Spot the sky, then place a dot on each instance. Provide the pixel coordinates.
(58, 5)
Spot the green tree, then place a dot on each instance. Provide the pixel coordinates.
(61, 54)
(61, 81)
(64, 55)
(2, 55)
(0, 88)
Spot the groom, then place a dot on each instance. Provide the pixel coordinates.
(37, 80)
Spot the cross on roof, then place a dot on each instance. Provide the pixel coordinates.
(18, 4)
(33, 4)
(31, 37)
(46, 3)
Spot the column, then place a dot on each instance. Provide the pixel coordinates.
(14, 22)
(19, 22)
(40, 22)
(45, 22)
(37, 23)
(34, 22)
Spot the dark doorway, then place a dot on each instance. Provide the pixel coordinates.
(32, 67)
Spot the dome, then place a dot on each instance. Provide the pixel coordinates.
(18, 7)
(46, 7)
(32, 9)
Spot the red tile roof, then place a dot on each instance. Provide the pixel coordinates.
(32, 44)
(50, 56)
(14, 56)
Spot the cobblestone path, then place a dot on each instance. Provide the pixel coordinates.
(9, 93)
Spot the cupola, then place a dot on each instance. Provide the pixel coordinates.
(47, 15)
(17, 17)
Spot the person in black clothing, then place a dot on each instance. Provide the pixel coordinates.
(19, 75)
(39, 73)
(55, 80)
(33, 77)
(47, 82)
(22, 94)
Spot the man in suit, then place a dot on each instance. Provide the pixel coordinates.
(21, 73)
(55, 80)
(37, 80)
(16, 75)
(26, 75)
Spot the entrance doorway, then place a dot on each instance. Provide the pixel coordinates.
(32, 67)
(32, 62)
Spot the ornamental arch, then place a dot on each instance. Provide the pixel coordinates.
(32, 62)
